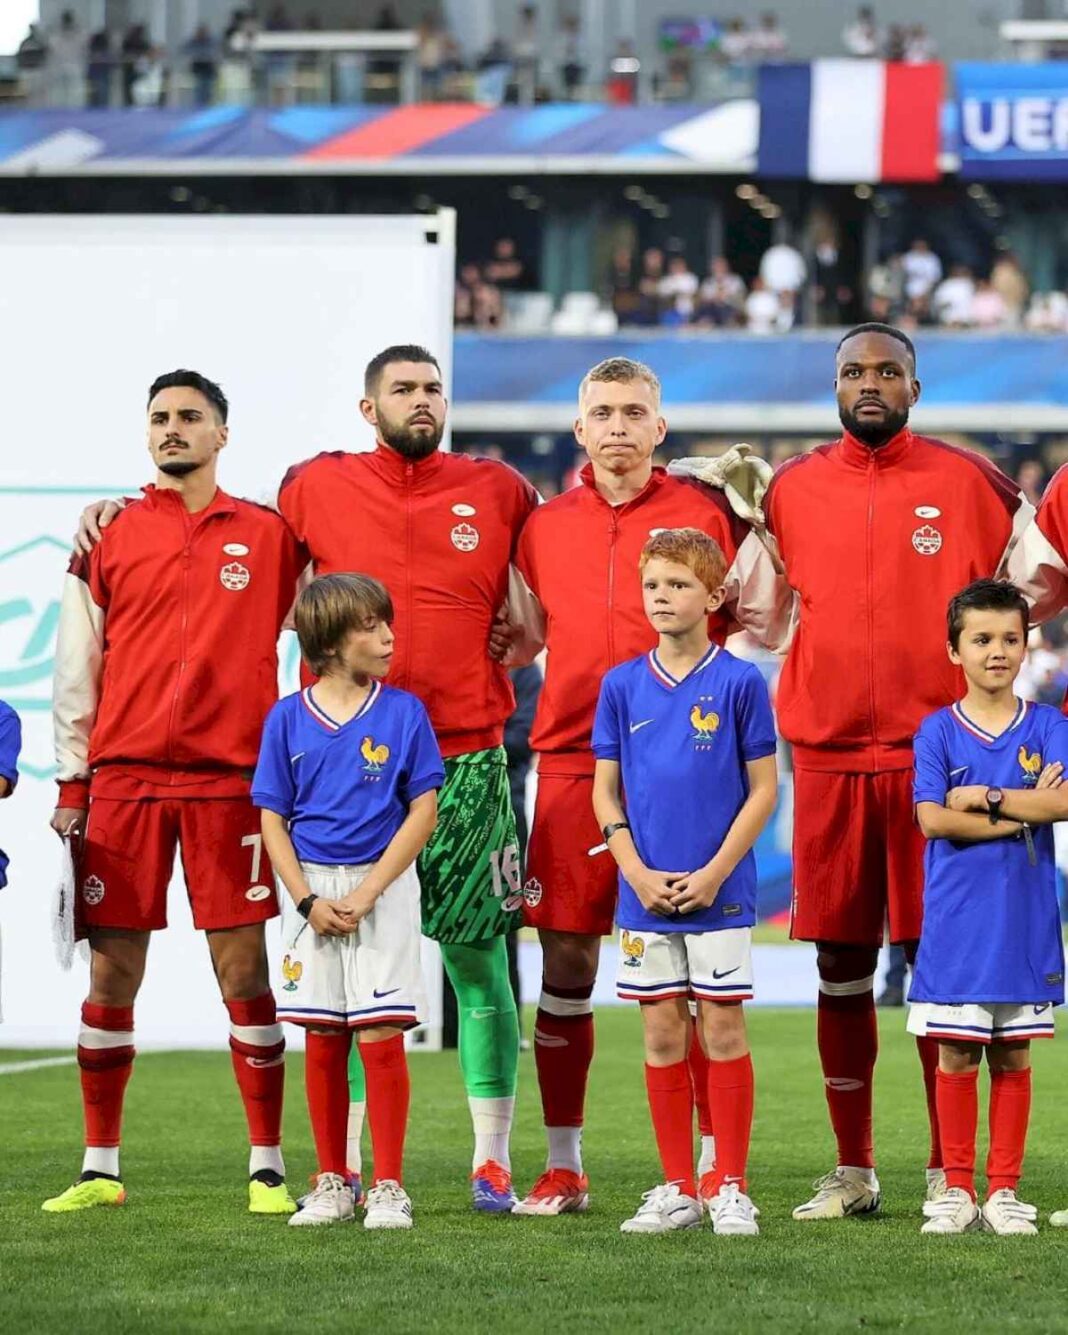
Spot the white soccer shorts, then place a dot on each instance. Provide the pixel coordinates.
(705, 966)
(974, 1023)
(372, 976)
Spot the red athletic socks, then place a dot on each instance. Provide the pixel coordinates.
(958, 1116)
(258, 1051)
(385, 1065)
(928, 1050)
(105, 1059)
(730, 1097)
(848, 1043)
(670, 1090)
(326, 1079)
(563, 1051)
(1010, 1111)
(698, 1063)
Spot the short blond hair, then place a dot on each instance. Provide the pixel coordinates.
(691, 548)
(330, 607)
(620, 370)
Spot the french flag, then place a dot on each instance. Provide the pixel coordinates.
(850, 121)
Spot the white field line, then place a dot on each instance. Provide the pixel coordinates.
(14, 1068)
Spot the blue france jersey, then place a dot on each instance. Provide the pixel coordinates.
(991, 927)
(682, 748)
(345, 788)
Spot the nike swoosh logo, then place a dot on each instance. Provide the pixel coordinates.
(264, 1061)
(843, 1083)
(548, 1040)
(1039, 1010)
(958, 771)
(293, 759)
(380, 995)
(635, 726)
(483, 1012)
(725, 973)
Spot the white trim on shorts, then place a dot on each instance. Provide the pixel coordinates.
(344, 981)
(654, 966)
(973, 1022)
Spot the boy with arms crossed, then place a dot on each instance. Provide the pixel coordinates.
(347, 784)
(687, 731)
(990, 966)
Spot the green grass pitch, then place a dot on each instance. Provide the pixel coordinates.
(183, 1255)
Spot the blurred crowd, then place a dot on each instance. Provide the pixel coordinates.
(543, 58)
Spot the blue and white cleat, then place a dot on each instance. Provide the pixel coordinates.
(491, 1189)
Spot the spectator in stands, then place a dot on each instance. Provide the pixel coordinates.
(782, 268)
(506, 269)
(678, 289)
(1031, 479)
(886, 289)
(894, 46)
(648, 311)
(494, 72)
(621, 86)
(98, 68)
(487, 305)
(721, 297)
(951, 303)
(66, 63)
(988, 307)
(136, 53)
(525, 52)
(469, 278)
(1048, 313)
(923, 270)
(201, 51)
(1010, 281)
(30, 61)
(735, 46)
(768, 43)
(862, 38)
(622, 290)
(431, 57)
(570, 60)
(919, 45)
(763, 311)
(830, 290)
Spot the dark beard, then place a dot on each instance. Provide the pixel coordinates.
(178, 468)
(411, 444)
(874, 434)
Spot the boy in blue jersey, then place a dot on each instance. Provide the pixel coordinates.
(990, 966)
(347, 782)
(686, 732)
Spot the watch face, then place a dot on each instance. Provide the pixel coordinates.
(993, 795)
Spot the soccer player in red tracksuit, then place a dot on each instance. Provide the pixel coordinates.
(579, 556)
(876, 532)
(166, 667)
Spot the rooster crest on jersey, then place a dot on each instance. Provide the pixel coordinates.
(704, 725)
(1031, 766)
(375, 757)
(291, 972)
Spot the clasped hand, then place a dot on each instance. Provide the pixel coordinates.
(671, 892)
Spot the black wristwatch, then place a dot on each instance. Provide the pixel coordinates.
(994, 799)
(304, 908)
(609, 830)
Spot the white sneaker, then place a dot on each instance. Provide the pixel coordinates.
(733, 1212)
(936, 1183)
(1004, 1214)
(952, 1212)
(663, 1210)
(388, 1206)
(330, 1202)
(845, 1191)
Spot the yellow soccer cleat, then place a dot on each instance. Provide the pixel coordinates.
(270, 1198)
(83, 1195)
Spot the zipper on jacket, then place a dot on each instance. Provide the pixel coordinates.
(183, 624)
(872, 475)
(409, 471)
(613, 539)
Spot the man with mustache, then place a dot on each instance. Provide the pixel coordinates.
(876, 532)
(166, 666)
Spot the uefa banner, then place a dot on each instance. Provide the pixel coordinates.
(1013, 121)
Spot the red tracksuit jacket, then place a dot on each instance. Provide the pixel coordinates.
(440, 533)
(166, 661)
(1039, 561)
(875, 543)
(579, 556)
